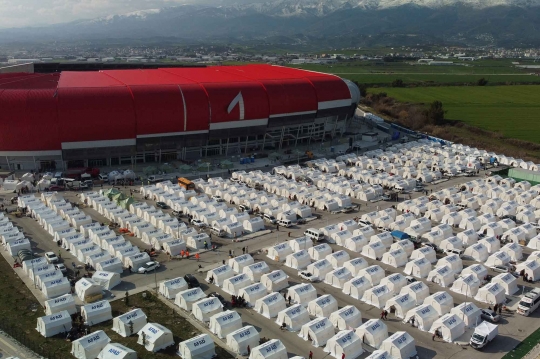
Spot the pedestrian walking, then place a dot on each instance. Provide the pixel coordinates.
(289, 299)
(130, 269)
(310, 356)
(197, 256)
(496, 307)
(343, 356)
(382, 315)
(500, 309)
(248, 347)
(289, 234)
(243, 250)
(205, 245)
(433, 336)
(187, 254)
(385, 314)
(182, 253)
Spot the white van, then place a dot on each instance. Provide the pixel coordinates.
(529, 302)
(314, 234)
(284, 223)
(103, 177)
(217, 231)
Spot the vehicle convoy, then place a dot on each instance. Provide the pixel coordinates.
(529, 302)
(483, 334)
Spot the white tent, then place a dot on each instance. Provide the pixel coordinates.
(491, 293)
(348, 317)
(405, 244)
(400, 345)
(233, 284)
(394, 282)
(294, 317)
(64, 302)
(270, 305)
(169, 288)
(302, 293)
(256, 270)
(345, 342)
(492, 244)
(89, 346)
(338, 258)
(534, 243)
(301, 243)
(338, 277)
(531, 268)
(453, 261)
(374, 250)
(322, 306)
(417, 290)
(441, 301)
(203, 309)
(355, 265)
(55, 288)
(221, 324)
(319, 252)
(443, 276)
(507, 281)
(239, 340)
(514, 250)
(238, 263)
(117, 351)
(400, 304)
(86, 288)
(418, 268)
(396, 258)
(379, 354)
(220, 274)
(356, 287)
(477, 251)
(374, 274)
(318, 330)
(425, 252)
(107, 280)
(377, 296)
(373, 332)
(275, 280)
(279, 252)
(48, 277)
(424, 316)
(468, 237)
(97, 312)
(155, 337)
(14, 247)
(186, 298)
(51, 325)
(469, 313)
(498, 258)
(467, 285)
(111, 265)
(320, 268)
(124, 323)
(450, 326)
(272, 349)
(298, 260)
(356, 243)
(252, 293)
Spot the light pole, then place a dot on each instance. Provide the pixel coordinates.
(155, 279)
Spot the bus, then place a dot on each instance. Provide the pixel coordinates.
(186, 184)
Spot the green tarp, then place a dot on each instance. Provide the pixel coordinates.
(110, 193)
(125, 203)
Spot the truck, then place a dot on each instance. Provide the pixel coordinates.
(483, 334)
(82, 173)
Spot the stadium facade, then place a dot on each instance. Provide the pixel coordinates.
(120, 117)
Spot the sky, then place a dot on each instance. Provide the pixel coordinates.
(23, 13)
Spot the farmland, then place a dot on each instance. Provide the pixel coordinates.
(510, 110)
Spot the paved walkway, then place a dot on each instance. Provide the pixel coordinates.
(9, 347)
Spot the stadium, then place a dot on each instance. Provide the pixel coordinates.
(122, 117)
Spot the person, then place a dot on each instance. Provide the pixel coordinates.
(205, 245)
(211, 280)
(382, 315)
(289, 234)
(277, 227)
(500, 309)
(412, 321)
(130, 269)
(243, 250)
(197, 256)
(283, 326)
(433, 336)
(59, 254)
(187, 254)
(248, 347)
(385, 314)
(495, 307)
(310, 356)
(343, 356)
(182, 252)
(289, 299)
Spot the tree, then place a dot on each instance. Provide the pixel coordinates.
(482, 82)
(435, 113)
(398, 83)
(362, 88)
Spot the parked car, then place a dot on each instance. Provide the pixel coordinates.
(197, 223)
(459, 252)
(364, 223)
(308, 276)
(490, 315)
(149, 267)
(51, 257)
(410, 279)
(191, 281)
(218, 296)
(61, 267)
(218, 199)
(435, 248)
(162, 205)
(504, 269)
(55, 188)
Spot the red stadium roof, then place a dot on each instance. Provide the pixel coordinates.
(54, 111)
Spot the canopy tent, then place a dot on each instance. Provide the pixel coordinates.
(425, 252)
(338, 277)
(86, 289)
(356, 243)
(129, 323)
(219, 274)
(498, 258)
(203, 309)
(252, 293)
(186, 298)
(320, 251)
(441, 301)
(374, 274)
(322, 306)
(443, 276)
(238, 263)
(107, 280)
(272, 349)
(356, 287)
(394, 282)
(467, 285)
(51, 325)
(418, 268)
(492, 244)
(302, 293)
(117, 351)
(320, 268)
(270, 305)
(338, 258)
(221, 324)
(97, 312)
(417, 290)
(450, 326)
(377, 296)
(469, 313)
(531, 268)
(298, 260)
(279, 252)
(234, 284)
(478, 270)
(534, 243)
(319, 330)
(405, 245)
(453, 261)
(400, 345)
(374, 250)
(155, 337)
(49, 276)
(491, 293)
(477, 251)
(294, 317)
(513, 250)
(111, 265)
(424, 316)
(55, 288)
(275, 280)
(400, 304)
(239, 340)
(373, 332)
(396, 258)
(379, 354)
(344, 344)
(169, 288)
(63, 303)
(346, 318)
(355, 265)
(507, 281)
(301, 243)
(89, 346)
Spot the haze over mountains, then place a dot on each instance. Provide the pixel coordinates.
(497, 22)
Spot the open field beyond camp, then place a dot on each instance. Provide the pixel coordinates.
(509, 110)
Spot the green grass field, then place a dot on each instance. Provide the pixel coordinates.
(511, 110)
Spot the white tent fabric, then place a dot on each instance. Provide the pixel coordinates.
(320, 251)
(319, 330)
(374, 250)
(513, 250)
(467, 285)
(294, 317)
(186, 298)
(379, 354)
(238, 263)
(396, 258)
(89, 346)
(338, 277)
(320, 268)
(400, 304)
(356, 287)
(355, 265)
(272, 349)
(492, 244)
(199, 347)
(301, 243)
(491, 293)
(117, 351)
(279, 252)
(450, 326)
(221, 324)
(302, 293)
(111, 265)
(530, 267)
(123, 323)
(55, 288)
(239, 340)
(400, 345)
(322, 306)
(107, 280)
(377, 296)
(498, 258)
(86, 288)
(97, 312)
(298, 260)
(234, 284)
(469, 313)
(338, 258)
(441, 301)
(443, 276)
(64, 302)
(507, 281)
(270, 305)
(275, 280)
(169, 288)
(418, 268)
(424, 252)
(453, 261)
(372, 273)
(417, 290)
(356, 243)
(424, 316)
(51, 325)
(256, 270)
(220, 274)
(478, 270)
(348, 317)
(345, 342)
(373, 332)
(394, 282)
(477, 251)
(252, 293)
(155, 337)
(203, 309)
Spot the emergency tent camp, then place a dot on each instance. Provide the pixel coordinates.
(223, 323)
(272, 349)
(89, 346)
(169, 288)
(111, 265)
(319, 252)
(417, 290)
(319, 330)
(468, 237)
(405, 245)
(498, 258)
(219, 274)
(491, 293)
(453, 261)
(51, 325)
(441, 301)
(400, 304)
(238, 263)
(338, 277)
(374, 250)
(86, 288)
(64, 302)
(186, 298)
(450, 326)
(302, 293)
(239, 340)
(134, 319)
(377, 296)
(294, 317)
(347, 343)
(117, 351)
(507, 281)
(355, 265)
(301, 243)
(203, 309)
(234, 284)
(424, 316)
(275, 280)
(298, 260)
(373, 332)
(531, 268)
(322, 306)
(467, 285)
(425, 252)
(395, 258)
(346, 318)
(356, 287)
(394, 282)
(513, 250)
(492, 244)
(374, 274)
(418, 268)
(279, 252)
(55, 288)
(270, 305)
(469, 313)
(379, 354)
(443, 276)
(477, 251)
(97, 312)
(400, 345)
(155, 337)
(107, 280)
(252, 293)
(356, 243)
(320, 268)
(338, 258)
